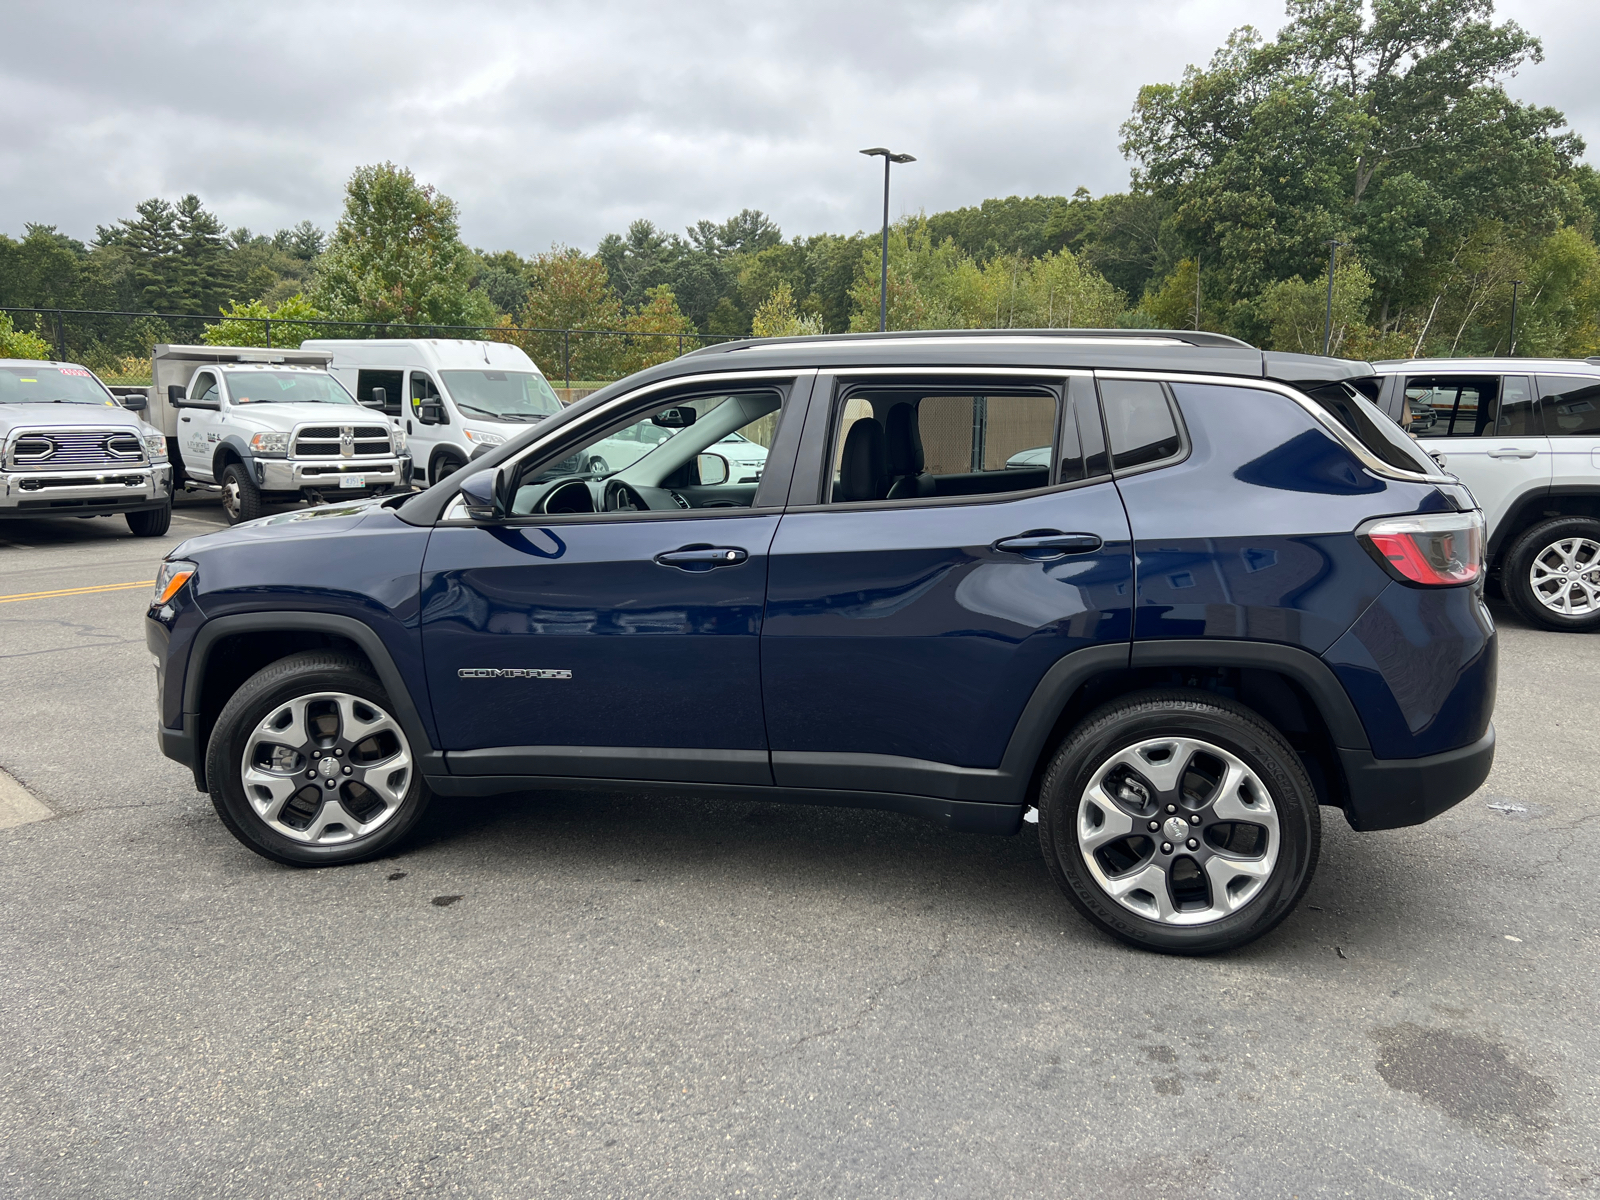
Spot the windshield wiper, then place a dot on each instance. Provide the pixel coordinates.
(493, 416)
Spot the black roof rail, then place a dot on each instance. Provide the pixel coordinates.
(1183, 337)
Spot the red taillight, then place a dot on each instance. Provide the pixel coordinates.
(1435, 550)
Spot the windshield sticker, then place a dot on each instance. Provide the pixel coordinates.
(73, 371)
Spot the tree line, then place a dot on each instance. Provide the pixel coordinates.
(1383, 134)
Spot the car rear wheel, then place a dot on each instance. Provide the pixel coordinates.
(241, 498)
(1552, 574)
(308, 765)
(1179, 821)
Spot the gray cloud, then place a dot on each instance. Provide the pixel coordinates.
(560, 122)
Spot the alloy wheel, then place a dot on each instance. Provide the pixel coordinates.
(231, 501)
(1178, 830)
(325, 768)
(1565, 576)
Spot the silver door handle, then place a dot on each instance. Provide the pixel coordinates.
(1509, 452)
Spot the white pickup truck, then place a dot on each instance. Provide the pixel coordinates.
(263, 425)
(69, 449)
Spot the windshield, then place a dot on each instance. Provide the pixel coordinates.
(285, 387)
(503, 395)
(51, 385)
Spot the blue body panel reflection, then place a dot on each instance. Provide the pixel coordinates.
(901, 632)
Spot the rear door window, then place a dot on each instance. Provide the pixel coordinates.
(1571, 405)
(392, 383)
(905, 442)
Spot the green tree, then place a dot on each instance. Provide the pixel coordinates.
(567, 289)
(1386, 127)
(776, 316)
(20, 343)
(660, 332)
(396, 256)
(255, 324)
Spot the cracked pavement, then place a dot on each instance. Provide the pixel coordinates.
(691, 997)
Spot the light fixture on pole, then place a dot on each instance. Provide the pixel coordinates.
(1327, 325)
(1515, 284)
(883, 281)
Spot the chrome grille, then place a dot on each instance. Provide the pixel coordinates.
(341, 441)
(69, 449)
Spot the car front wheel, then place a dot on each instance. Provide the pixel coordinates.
(308, 766)
(1180, 822)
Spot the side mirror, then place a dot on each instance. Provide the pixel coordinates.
(483, 494)
(712, 469)
(377, 399)
(430, 412)
(135, 403)
(175, 395)
(674, 418)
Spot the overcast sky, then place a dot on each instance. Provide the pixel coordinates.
(562, 122)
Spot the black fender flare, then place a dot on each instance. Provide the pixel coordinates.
(429, 760)
(1052, 694)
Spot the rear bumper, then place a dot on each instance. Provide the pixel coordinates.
(1391, 793)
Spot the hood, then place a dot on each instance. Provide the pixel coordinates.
(320, 520)
(285, 417)
(62, 416)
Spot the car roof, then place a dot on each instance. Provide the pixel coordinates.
(1107, 349)
(42, 362)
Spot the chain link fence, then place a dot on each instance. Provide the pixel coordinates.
(116, 345)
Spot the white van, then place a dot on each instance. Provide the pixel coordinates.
(451, 396)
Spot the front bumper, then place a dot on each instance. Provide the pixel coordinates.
(325, 474)
(94, 492)
(1391, 793)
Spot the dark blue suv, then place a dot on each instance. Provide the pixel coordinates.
(1163, 593)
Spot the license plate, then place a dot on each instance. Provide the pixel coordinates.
(352, 481)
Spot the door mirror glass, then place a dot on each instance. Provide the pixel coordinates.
(674, 418)
(481, 494)
(713, 469)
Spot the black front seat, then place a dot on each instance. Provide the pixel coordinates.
(862, 473)
(903, 451)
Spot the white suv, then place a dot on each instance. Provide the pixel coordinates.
(1524, 435)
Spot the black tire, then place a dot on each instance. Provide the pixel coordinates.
(1145, 716)
(152, 522)
(273, 687)
(1542, 542)
(444, 464)
(241, 498)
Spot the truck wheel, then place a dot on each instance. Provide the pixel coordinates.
(241, 498)
(308, 766)
(152, 522)
(445, 464)
(1179, 821)
(1552, 574)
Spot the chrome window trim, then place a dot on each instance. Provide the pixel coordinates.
(1342, 435)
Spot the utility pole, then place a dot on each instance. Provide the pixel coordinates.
(1515, 284)
(1327, 325)
(1197, 291)
(883, 280)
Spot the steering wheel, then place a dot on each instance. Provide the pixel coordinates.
(619, 497)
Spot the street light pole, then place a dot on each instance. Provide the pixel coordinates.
(883, 279)
(1512, 352)
(1327, 325)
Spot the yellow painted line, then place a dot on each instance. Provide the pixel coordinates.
(83, 591)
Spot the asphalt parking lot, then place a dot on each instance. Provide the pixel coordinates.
(578, 995)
